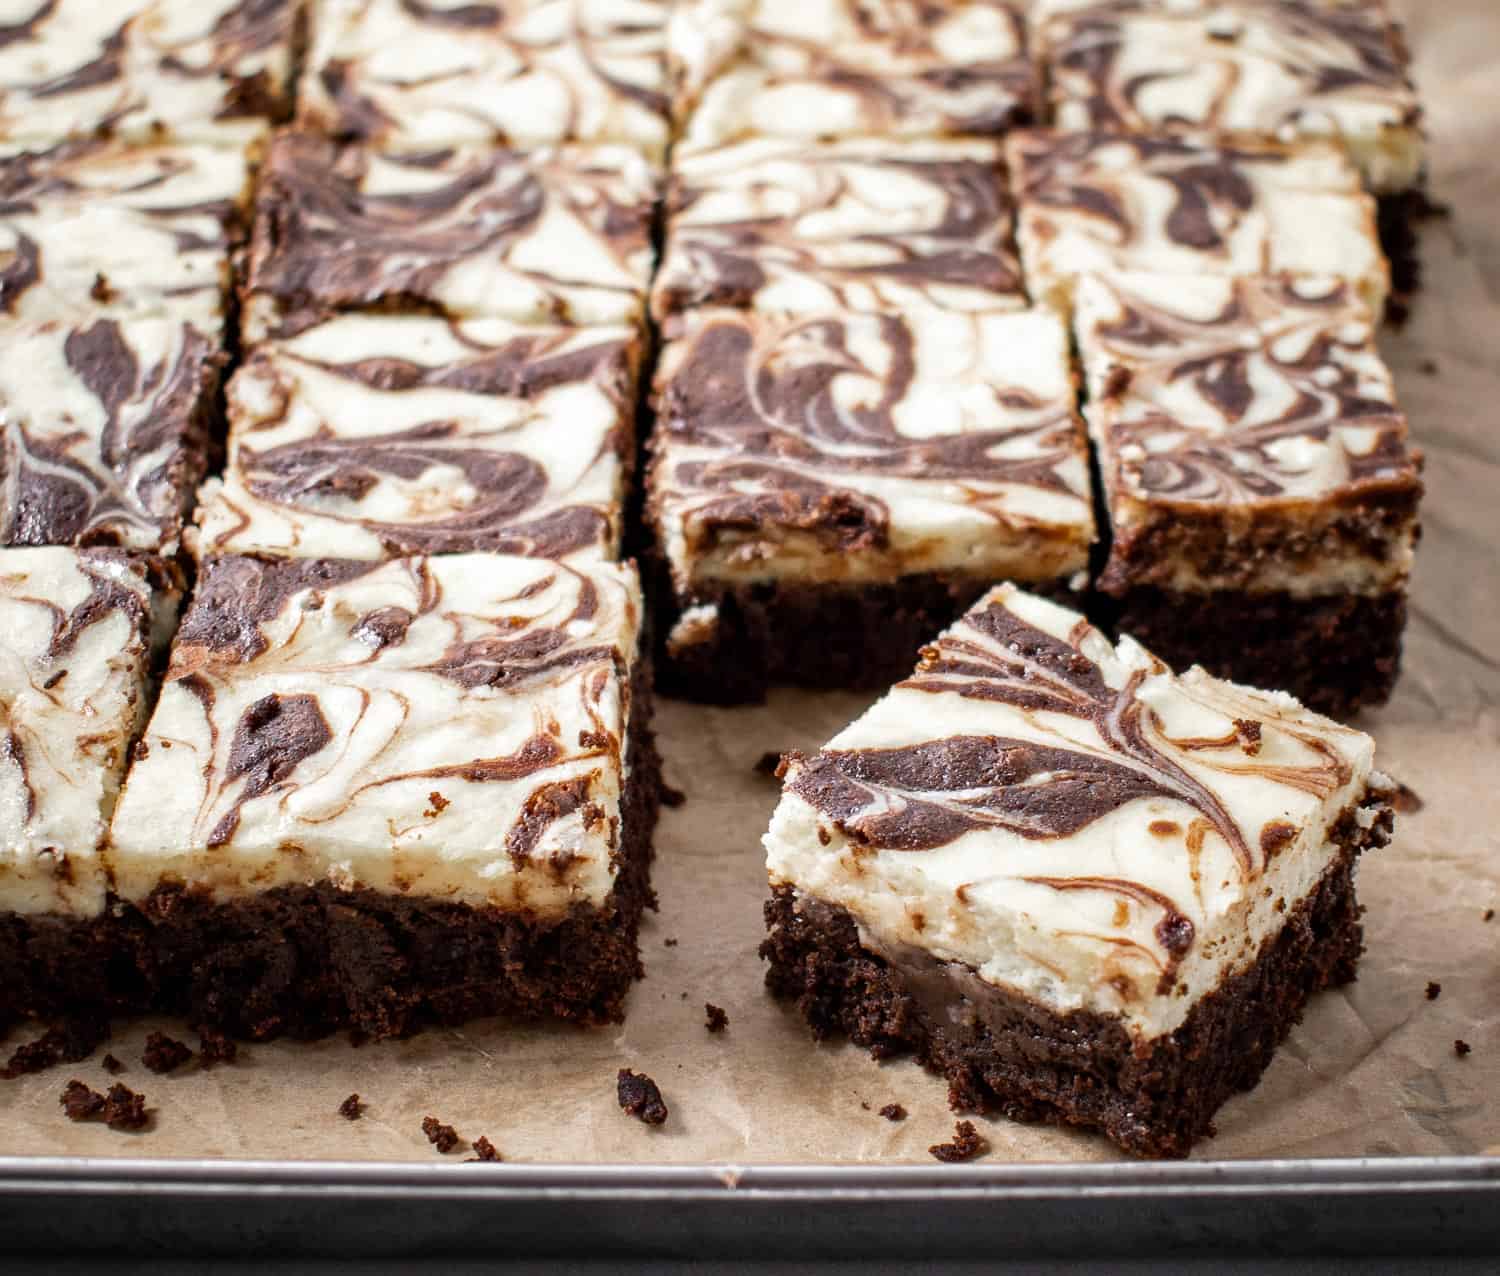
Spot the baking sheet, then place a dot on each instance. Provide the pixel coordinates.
(1372, 1071)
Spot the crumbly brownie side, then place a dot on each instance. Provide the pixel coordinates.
(1003, 1053)
(306, 961)
(1336, 653)
(1398, 217)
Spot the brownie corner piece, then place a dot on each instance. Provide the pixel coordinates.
(999, 868)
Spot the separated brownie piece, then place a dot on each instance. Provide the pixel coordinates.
(120, 230)
(819, 69)
(373, 795)
(1262, 493)
(78, 629)
(367, 436)
(1282, 69)
(551, 236)
(104, 429)
(1082, 889)
(529, 73)
(864, 224)
(828, 491)
(1100, 202)
(193, 70)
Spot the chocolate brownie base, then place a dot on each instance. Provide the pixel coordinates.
(1337, 654)
(1002, 1053)
(824, 637)
(305, 961)
(1398, 217)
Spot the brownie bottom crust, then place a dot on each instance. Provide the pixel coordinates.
(1003, 1053)
(825, 637)
(1337, 654)
(304, 961)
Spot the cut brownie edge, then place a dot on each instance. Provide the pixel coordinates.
(1399, 216)
(305, 961)
(1003, 1053)
(1336, 653)
(849, 637)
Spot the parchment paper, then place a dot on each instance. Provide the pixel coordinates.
(1372, 1070)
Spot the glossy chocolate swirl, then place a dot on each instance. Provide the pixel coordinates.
(552, 235)
(105, 431)
(779, 226)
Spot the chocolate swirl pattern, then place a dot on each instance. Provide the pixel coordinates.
(194, 70)
(1100, 202)
(1066, 816)
(105, 430)
(1254, 68)
(1238, 392)
(341, 721)
(550, 236)
(865, 446)
(834, 68)
(79, 628)
(119, 230)
(418, 77)
(370, 436)
(865, 225)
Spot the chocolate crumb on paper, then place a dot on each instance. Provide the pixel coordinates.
(215, 1047)
(80, 1103)
(112, 1065)
(967, 1144)
(124, 1109)
(165, 1054)
(1434, 990)
(640, 1097)
(1462, 1048)
(443, 1137)
(893, 1112)
(70, 1042)
(484, 1150)
(1489, 914)
(718, 1017)
(352, 1108)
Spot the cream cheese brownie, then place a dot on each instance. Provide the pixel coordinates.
(532, 73)
(1083, 889)
(80, 629)
(558, 235)
(813, 70)
(1284, 69)
(1261, 489)
(193, 70)
(104, 429)
(374, 795)
(1102, 201)
(367, 436)
(862, 224)
(827, 491)
(120, 230)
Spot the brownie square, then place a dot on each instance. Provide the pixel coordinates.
(1083, 889)
(864, 224)
(561, 235)
(369, 436)
(826, 491)
(531, 73)
(106, 426)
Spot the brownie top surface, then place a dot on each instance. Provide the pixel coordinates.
(532, 73)
(194, 69)
(1238, 391)
(106, 428)
(449, 727)
(367, 435)
(814, 69)
(782, 226)
(561, 234)
(1068, 816)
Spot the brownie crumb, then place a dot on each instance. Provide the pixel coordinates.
(640, 1097)
(81, 1103)
(102, 291)
(769, 764)
(1247, 732)
(718, 1017)
(1434, 990)
(1489, 915)
(967, 1144)
(1429, 367)
(671, 797)
(124, 1109)
(214, 1047)
(443, 1137)
(893, 1112)
(669, 942)
(1406, 800)
(352, 1108)
(484, 1150)
(163, 1054)
(71, 1042)
(113, 1066)
(1462, 1048)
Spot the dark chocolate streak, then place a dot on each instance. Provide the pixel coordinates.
(274, 735)
(321, 239)
(775, 416)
